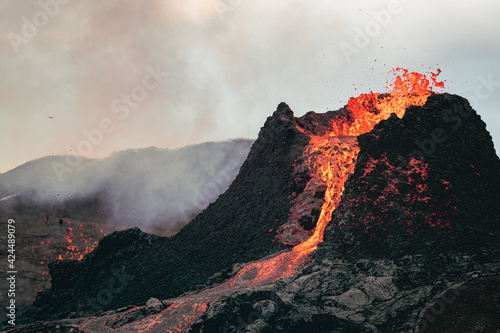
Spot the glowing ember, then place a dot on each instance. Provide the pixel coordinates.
(69, 244)
(78, 245)
(330, 158)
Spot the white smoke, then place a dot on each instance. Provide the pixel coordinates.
(149, 188)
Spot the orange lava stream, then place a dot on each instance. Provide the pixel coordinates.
(331, 159)
(334, 160)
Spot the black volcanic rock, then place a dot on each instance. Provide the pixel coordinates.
(429, 180)
(130, 267)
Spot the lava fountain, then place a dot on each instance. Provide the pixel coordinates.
(330, 158)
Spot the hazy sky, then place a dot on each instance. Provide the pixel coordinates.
(172, 73)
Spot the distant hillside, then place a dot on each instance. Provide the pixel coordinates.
(149, 188)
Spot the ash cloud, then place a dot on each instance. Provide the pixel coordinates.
(149, 188)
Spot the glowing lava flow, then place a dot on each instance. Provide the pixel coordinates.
(331, 159)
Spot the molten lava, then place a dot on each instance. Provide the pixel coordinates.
(330, 158)
(367, 110)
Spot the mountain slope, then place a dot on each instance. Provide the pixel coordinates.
(236, 228)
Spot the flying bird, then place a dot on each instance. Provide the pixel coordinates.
(51, 117)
